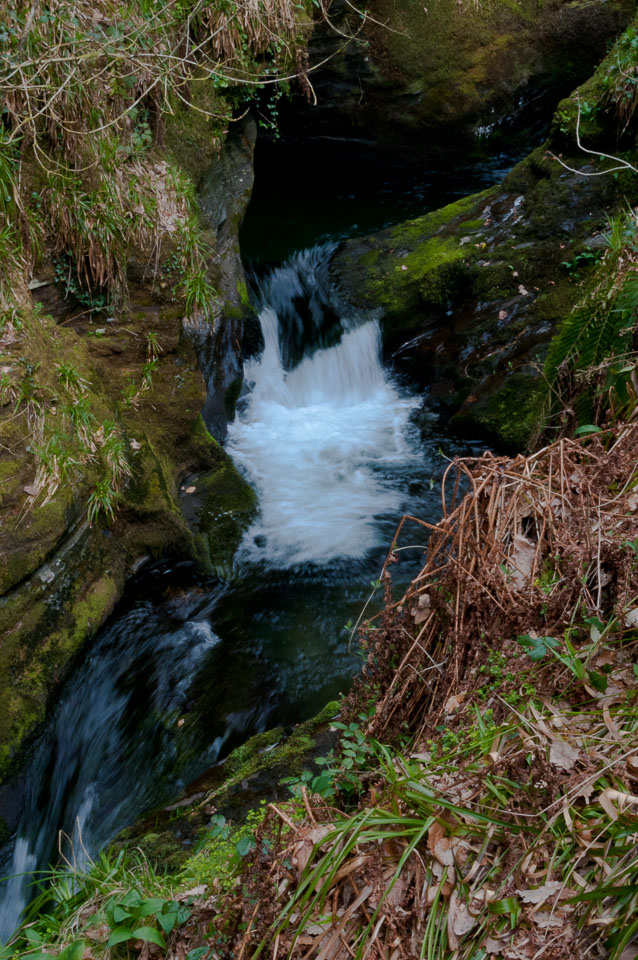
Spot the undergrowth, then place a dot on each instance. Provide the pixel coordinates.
(482, 799)
(87, 187)
(591, 366)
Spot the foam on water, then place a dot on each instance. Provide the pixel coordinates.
(318, 440)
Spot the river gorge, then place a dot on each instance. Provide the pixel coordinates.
(379, 313)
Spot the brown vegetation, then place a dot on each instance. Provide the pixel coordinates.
(500, 814)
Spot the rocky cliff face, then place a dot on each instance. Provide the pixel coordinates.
(471, 295)
(425, 81)
(60, 575)
(224, 194)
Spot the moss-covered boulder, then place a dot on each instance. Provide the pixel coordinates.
(470, 295)
(421, 79)
(63, 567)
(250, 776)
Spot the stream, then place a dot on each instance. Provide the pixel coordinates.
(188, 668)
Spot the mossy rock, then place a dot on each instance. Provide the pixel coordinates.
(469, 296)
(60, 577)
(510, 411)
(425, 82)
(248, 777)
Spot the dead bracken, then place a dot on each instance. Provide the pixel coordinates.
(499, 818)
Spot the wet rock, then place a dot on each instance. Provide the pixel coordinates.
(421, 80)
(248, 777)
(472, 321)
(224, 194)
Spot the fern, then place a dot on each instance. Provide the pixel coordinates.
(594, 332)
(563, 347)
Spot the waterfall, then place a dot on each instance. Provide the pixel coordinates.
(322, 431)
(318, 439)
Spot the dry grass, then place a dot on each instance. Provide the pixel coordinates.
(497, 805)
(536, 546)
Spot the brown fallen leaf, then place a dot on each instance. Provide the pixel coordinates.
(303, 850)
(492, 946)
(439, 845)
(631, 618)
(562, 755)
(459, 920)
(421, 611)
(522, 558)
(545, 919)
(540, 894)
(198, 891)
(453, 702)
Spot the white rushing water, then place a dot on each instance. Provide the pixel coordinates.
(318, 441)
(323, 434)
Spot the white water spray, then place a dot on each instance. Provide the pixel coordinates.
(318, 441)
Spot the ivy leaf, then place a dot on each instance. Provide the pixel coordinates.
(245, 846)
(322, 784)
(197, 953)
(537, 647)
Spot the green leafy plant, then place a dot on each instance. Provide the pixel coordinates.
(128, 918)
(342, 773)
(101, 501)
(584, 258)
(537, 647)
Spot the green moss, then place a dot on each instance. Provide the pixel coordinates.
(194, 133)
(229, 506)
(444, 217)
(232, 396)
(242, 290)
(414, 268)
(508, 414)
(456, 70)
(40, 640)
(448, 43)
(43, 529)
(90, 612)
(249, 775)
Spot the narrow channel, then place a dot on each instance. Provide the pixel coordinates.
(188, 668)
